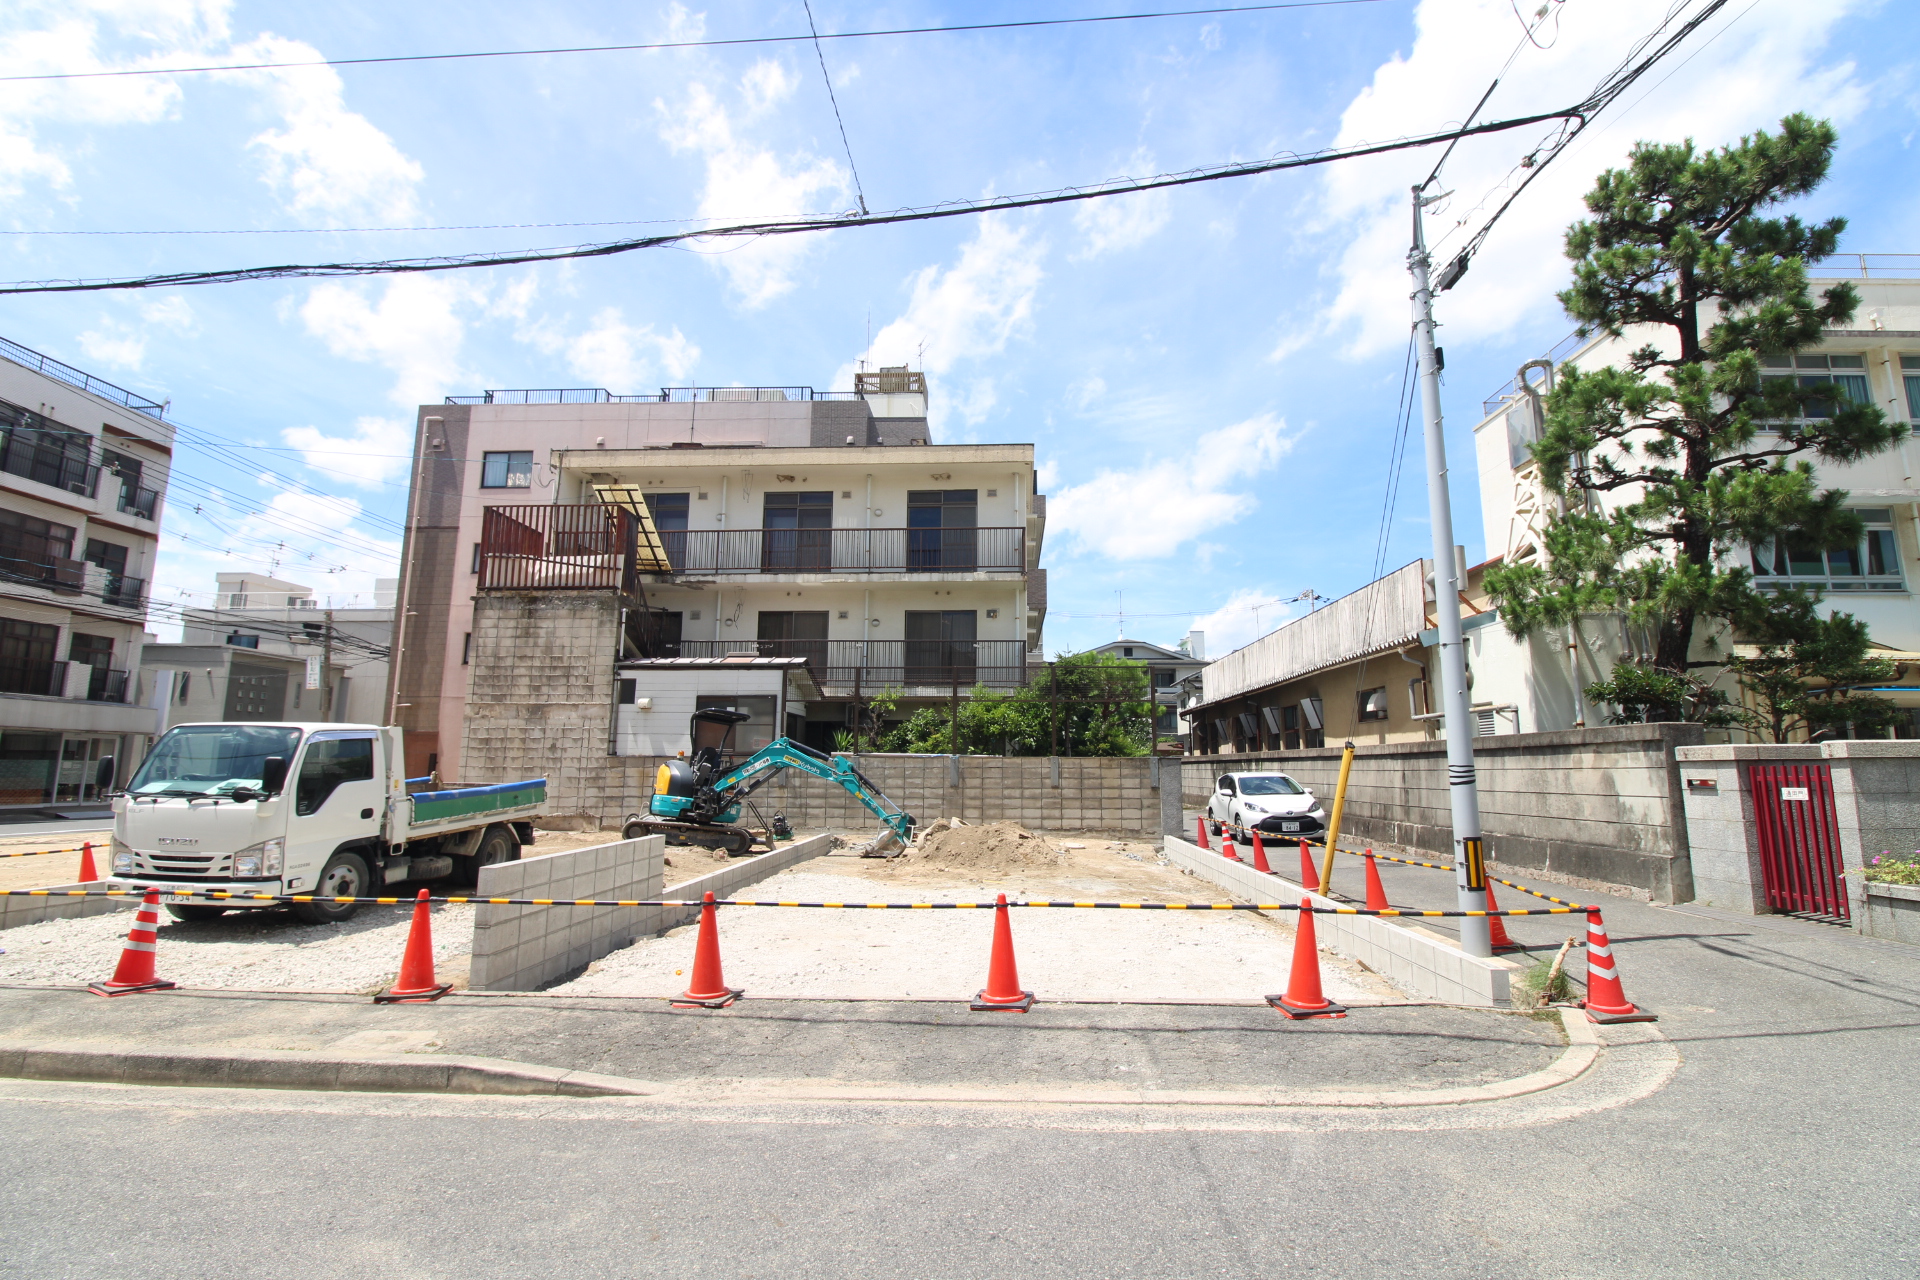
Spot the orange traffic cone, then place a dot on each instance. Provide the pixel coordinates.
(1309, 878)
(87, 872)
(708, 990)
(1376, 892)
(1003, 977)
(1497, 927)
(1304, 999)
(415, 985)
(1260, 856)
(1228, 848)
(1203, 834)
(135, 970)
(1606, 1001)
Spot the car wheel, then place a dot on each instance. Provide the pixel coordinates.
(345, 876)
(195, 915)
(497, 845)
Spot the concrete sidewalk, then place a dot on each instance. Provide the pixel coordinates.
(1166, 1047)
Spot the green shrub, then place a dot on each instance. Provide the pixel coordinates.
(1887, 869)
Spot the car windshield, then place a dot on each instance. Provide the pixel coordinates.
(1270, 784)
(211, 759)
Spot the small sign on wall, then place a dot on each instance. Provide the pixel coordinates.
(1793, 793)
(1695, 786)
(313, 673)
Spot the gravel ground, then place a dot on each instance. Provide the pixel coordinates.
(1062, 954)
(243, 950)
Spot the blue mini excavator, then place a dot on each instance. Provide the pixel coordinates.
(698, 800)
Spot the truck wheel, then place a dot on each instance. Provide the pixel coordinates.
(345, 876)
(196, 915)
(497, 845)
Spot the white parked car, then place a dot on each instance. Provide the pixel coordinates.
(1271, 803)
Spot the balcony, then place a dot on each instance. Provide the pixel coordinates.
(119, 589)
(28, 675)
(62, 459)
(732, 551)
(107, 685)
(135, 501)
(585, 547)
(841, 666)
(32, 559)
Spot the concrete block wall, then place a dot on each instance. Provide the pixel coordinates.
(1419, 960)
(15, 912)
(522, 948)
(1599, 805)
(541, 701)
(737, 875)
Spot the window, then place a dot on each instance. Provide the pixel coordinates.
(1290, 727)
(1270, 784)
(941, 528)
(1127, 652)
(1845, 375)
(27, 663)
(1373, 704)
(329, 763)
(37, 551)
(506, 470)
(1910, 374)
(476, 559)
(1226, 780)
(799, 531)
(940, 647)
(784, 634)
(34, 447)
(186, 684)
(110, 556)
(466, 649)
(95, 651)
(628, 690)
(239, 641)
(1872, 564)
(669, 511)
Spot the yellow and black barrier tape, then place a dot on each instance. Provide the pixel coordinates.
(225, 895)
(1409, 862)
(39, 853)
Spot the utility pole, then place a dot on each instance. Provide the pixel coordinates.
(326, 670)
(1469, 850)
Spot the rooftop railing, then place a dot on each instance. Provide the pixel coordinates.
(80, 378)
(1866, 266)
(667, 395)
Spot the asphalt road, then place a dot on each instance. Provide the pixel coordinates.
(1783, 1147)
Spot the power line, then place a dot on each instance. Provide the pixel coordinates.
(821, 54)
(688, 44)
(948, 209)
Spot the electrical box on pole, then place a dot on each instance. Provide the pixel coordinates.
(1469, 849)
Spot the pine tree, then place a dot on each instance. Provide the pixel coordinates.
(1664, 465)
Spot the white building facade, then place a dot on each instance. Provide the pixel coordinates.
(83, 479)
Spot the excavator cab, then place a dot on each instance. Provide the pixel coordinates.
(711, 733)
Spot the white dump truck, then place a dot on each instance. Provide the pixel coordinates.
(324, 809)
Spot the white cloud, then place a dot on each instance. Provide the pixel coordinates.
(326, 161)
(170, 312)
(623, 357)
(1114, 223)
(968, 311)
(1767, 65)
(747, 182)
(113, 342)
(415, 329)
(374, 452)
(1149, 512)
(1248, 614)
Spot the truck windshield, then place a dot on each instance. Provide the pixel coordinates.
(211, 759)
(1269, 784)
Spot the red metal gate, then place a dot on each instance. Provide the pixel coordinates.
(1799, 839)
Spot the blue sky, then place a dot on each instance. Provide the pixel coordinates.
(1209, 374)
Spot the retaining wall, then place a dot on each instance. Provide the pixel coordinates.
(526, 948)
(1597, 806)
(1420, 960)
(15, 912)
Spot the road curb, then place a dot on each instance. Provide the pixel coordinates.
(98, 1063)
(94, 1062)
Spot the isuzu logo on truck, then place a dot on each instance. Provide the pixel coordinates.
(179, 840)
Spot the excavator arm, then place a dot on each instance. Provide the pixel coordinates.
(760, 768)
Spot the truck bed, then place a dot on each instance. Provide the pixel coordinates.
(459, 808)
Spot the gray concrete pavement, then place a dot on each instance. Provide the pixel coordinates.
(1781, 1148)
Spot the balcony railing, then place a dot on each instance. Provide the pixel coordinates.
(584, 547)
(49, 457)
(30, 558)
(704, 551)
(135, 501)
(119, 589)
(107, 685)
(873, 665)
(27, 675)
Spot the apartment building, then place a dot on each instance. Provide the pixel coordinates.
(682, 535)
(1167, 670)
(1536, 683)
(269, 649)
(83, 476)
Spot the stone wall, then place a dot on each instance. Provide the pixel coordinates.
(15, 912)
(1599, 806)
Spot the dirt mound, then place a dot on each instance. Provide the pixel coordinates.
(996, 846)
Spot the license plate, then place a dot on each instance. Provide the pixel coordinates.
(1289, 826)
(176, 897)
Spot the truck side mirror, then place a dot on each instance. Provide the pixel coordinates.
(273, 775)
(103, 774)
